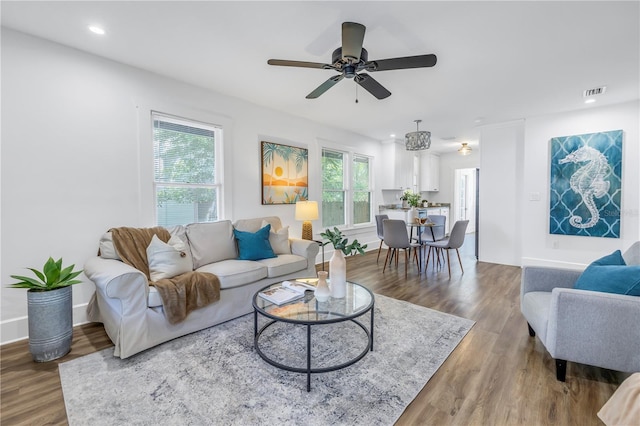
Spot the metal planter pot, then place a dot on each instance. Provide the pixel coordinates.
(50, 323)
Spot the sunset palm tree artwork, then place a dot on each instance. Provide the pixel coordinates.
(284, 173)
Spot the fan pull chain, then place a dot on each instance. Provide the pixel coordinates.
(356, 93)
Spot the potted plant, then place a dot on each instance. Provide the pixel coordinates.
(413, 200)
(403, 198)
(49, 307)
(337, 263)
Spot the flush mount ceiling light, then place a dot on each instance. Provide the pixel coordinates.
(96, 29)
(418, 140)
(464, 149)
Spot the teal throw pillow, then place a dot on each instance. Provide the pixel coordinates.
(254, 245)
(610, 274)
(614, 258)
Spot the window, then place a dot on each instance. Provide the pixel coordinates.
(361, 190)
(342, 206)
(186, 185)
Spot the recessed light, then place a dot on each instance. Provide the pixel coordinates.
(589, 101)
(96, 29)
(392, 135)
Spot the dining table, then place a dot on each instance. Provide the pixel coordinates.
(417, 225)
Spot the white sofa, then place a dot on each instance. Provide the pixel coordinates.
(132, 311)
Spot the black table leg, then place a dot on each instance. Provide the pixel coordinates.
(308, 358)
(372, 309)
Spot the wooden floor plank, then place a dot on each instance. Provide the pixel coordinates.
(498, 375)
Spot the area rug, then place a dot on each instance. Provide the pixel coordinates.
(215, 377)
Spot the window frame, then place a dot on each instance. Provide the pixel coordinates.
(348, 158)
(218, 160)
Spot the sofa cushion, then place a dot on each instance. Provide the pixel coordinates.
(180, 231)
(154, 299)
(166, 260)
(252, 225)
(254, 245)
(279, 239)
(211, 242)
(236, 273)
(284, 264)
(535, 308)
(106, 248)
(614, 258)
(620, 279)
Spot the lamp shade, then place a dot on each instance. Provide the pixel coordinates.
(307, 210)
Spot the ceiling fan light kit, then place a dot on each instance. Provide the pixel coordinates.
(351, 58)
(418, 140)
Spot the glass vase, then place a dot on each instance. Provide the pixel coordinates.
(322, 291)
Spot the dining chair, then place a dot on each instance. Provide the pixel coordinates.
(396, 238)
(436, 232)
(455, 241)
(379, 219)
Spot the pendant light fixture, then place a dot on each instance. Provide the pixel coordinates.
(418, 140)
(464, 149)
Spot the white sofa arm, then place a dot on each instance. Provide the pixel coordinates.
(117, 280)
(306, 248)
(595, 328)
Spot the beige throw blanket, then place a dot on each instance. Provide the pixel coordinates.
(180, 294)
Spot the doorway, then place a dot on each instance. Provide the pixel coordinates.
(464, 196)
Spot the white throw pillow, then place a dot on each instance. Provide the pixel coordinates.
(166, 260)
(279, 240)
(107, 249)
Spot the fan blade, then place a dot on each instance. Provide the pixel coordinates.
(421, 61)
(352, 39)
(302, 64)
(325, 86)
(372, 86)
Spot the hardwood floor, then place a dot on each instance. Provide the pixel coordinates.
(498, 375)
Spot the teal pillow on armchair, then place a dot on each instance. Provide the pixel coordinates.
(610, 274)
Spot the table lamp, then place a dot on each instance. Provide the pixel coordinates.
(306, 211)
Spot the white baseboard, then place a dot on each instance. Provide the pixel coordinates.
(532, 261)
(17, 329)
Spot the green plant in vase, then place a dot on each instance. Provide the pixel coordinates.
(50, 313)
(338, 264)
(412, 198)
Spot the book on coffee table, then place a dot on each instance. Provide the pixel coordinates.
(298, 286)
(280, 295)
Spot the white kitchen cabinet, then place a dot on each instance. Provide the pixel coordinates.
(429, 172)
(399, 171)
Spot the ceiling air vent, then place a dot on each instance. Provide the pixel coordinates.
(594, 92)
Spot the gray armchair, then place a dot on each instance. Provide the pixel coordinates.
(588, 327)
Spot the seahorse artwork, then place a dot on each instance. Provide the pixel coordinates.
(585, 185)
(589, 181)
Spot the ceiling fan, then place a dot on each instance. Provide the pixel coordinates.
(352, 58)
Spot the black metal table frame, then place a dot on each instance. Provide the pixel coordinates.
(308, 370)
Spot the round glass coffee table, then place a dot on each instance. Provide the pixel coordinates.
(310, 313)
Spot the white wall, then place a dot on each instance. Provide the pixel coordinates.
(76, 157)
(501, 165)
(539, 246)
(449, 162)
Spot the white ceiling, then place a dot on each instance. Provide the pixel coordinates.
(497, 61)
